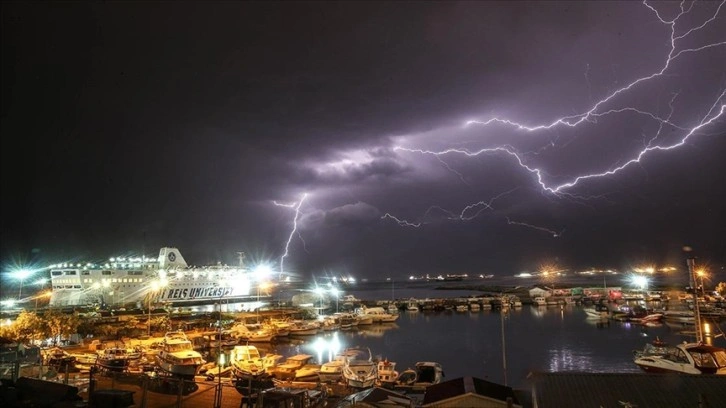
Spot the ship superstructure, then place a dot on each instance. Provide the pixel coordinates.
(140, 280)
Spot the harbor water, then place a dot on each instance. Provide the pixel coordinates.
(502, 347)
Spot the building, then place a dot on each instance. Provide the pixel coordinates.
(376, 397)
(470, 392)
(584, 390)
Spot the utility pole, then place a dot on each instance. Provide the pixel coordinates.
(691, 262)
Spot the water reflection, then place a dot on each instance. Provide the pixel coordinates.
(475, 344)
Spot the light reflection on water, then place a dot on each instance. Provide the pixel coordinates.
(470, 343)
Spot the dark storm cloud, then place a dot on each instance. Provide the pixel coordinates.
(180, 123)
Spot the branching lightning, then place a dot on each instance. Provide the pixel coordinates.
(294, 230)
(651, 144)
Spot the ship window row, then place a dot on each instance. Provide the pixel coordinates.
(117, 280)
(65, 280)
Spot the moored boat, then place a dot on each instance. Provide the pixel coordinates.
(387, 374)
(177, 355)
(287, 369)
(359, 371)
(247, 363)
(424, 374)
(684, 358)
(117, 358)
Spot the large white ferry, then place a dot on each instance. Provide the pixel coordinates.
(141, 280)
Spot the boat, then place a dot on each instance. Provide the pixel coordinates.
(292, 397)
(59, 359)
(241, 333)
(303, 328)
(425, 373)
(177, 356)
(412, 305)
(309, 372)
(597, 311)
(360, 371)
(228, 340)
(387, 374)
(117, 358)
(332, 371)
(539, 301)
(287, 369)
(655, 348)
(247, 363)
(378, 314)
(686, 358)
(144, 280)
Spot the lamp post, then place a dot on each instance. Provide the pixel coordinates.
(335, 292)
(21, 275)
(319, 291)
(700, 274)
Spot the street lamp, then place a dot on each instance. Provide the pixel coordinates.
(320, 291)
(701, 273)
(21, 275)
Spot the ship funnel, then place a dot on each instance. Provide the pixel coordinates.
(170, 258)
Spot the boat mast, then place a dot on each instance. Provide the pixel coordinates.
(504, 348)
(691, 262)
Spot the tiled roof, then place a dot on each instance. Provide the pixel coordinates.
(465, 385)
(597, 390)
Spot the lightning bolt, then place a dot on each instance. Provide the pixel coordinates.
(401, 222)
(554, 234)
(294, 230)
(482, 205)
(598, 110)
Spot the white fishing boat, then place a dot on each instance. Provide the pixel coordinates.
(243, 334)
(226, 339)
(597, 311)
(287, 369)
(332, 371)
(177, 355)
(378, 314)
(247, 363)
(539, 301)
(387, 374)
(117, 358)
(360, 371)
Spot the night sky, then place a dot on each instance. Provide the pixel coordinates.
(128, 126)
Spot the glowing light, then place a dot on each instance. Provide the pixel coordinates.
(262, 271)
(640, 281)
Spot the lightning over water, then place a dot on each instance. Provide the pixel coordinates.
(294, 230)
(668, 132)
